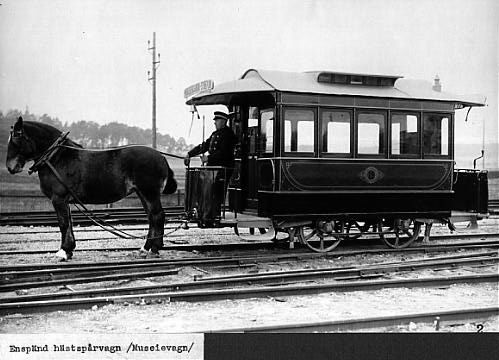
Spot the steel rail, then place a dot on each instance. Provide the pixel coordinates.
(47, 274)
(85, 230)
(118, 210)
(242, 293)
(87, 279)
(176, 247)
(84, 221)
(359, 271)
(15, 241)
(444, 317)
(24, 279)
(100, 212)
(110, 215)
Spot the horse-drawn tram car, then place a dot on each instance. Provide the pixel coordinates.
(330, 156)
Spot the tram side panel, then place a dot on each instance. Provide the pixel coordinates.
(315, 187)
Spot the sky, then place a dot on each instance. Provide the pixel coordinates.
(88, 59)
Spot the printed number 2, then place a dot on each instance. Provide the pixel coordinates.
(480, 328)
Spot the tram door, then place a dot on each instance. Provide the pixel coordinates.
(253, 128)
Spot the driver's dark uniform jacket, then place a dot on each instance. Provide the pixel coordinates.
(220, 146)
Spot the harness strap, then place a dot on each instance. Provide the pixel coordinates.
(48, 154)
(172, 155)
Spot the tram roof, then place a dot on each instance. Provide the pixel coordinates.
(258, 81)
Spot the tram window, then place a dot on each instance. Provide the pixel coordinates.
(299, 130)
(267, 130)
(336, 132)
(405, 135)
(305, 136)
(436, 134)
(371, 134)
(287, 136)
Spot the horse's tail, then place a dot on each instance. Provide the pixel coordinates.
(171, 183)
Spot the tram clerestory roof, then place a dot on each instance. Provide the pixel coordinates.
(268, 81)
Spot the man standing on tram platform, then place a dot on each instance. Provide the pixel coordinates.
(220, 147)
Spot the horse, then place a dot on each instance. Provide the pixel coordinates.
(69, 173)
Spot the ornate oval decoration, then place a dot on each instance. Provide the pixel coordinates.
(371, 175)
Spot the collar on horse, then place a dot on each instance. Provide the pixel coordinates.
(48, 154)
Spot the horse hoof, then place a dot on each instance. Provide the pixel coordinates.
(153, 255)
(61, 255)
(143, 252)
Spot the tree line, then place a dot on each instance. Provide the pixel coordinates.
(92, 135)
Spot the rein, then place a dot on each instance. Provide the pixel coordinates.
(161, 152)
(45, 158)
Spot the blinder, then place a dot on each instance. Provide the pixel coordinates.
(16, 136)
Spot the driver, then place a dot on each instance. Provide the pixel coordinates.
(220, 145)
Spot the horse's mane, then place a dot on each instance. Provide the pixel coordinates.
(39, 129)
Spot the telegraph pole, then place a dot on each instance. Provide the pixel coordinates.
(155, 65)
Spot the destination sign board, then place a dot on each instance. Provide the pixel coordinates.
(200, 87)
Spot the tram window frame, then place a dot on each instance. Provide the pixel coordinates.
(324, 133)
(294, 134)
(415, 155)
(450, 139)
(383, 136)
(264, 150)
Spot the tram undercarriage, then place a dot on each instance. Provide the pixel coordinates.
(319, 232)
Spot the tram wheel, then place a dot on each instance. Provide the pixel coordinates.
(319, 241)
(401, 234)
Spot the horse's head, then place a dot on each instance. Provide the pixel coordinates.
(20, 148)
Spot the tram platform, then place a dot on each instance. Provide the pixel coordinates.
(245, 220)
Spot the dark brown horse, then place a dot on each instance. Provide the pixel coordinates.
(92, 177)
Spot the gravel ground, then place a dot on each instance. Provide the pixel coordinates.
(216, 315)
(211, 316)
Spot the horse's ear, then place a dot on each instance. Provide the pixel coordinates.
(18, 126)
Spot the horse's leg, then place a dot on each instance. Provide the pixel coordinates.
(156, 217)
(147, 245)
(65, 225)
(157, 220)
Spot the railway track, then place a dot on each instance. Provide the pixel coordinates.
(128, 215)
(245, 246)
(434, 318)
(47, 277)
(227, 287)
(494, 207)
(29, 278)
(239, 293)
(132, 215)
